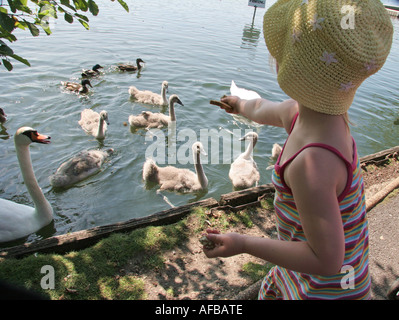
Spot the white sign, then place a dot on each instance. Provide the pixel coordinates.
(257, 3)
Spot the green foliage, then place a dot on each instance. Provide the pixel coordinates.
(34, 15)
(256, 271)
(96, 273)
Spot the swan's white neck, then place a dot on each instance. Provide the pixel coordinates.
(172, 111)
(248, 152)
(163, 94)
(41, 204)
(100, 132)
(203, 180)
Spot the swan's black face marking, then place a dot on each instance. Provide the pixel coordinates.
(34, 136)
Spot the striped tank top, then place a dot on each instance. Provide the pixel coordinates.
(353, 280)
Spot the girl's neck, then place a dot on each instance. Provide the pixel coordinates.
(315, 127)
(321, 124)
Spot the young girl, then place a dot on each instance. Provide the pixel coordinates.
(324, 50)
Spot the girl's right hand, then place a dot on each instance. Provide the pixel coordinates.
(233, 102)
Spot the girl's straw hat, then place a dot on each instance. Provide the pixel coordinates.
(326, 48)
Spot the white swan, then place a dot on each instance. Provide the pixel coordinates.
(243, 93)
(244, 171)
(79, 88)
(18, 220)
(276, 150)
(92, 72)
(150, 97)
(94, 123)
(83, 165)
(247, 95)
(150, 119)
(178, 179)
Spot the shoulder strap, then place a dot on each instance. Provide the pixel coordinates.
(293, 122)
(333, 150)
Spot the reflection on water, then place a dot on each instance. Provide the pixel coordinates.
(250, 36)
(3, 132)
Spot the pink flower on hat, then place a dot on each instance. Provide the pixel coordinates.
(370, 66)
(347, 86)
(316, 22)
(328, 58)
(295, 35)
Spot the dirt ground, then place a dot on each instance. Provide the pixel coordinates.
(189, 274)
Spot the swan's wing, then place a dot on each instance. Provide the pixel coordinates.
(244, 170)
(13, 213)
(89, 120)
(243, 93)
(155, 120)
(140, 120)
(148, 97)
(16, 220)
(84, 163)
(176, 179)
(81, 166)
(88, 114)
(244, 167)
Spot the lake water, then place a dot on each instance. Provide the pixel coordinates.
(198, 47)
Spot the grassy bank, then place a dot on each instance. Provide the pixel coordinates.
(95, 273)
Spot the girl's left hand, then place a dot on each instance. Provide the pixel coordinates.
(227, 245)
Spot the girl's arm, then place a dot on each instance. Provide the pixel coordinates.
(314, 186)
(263, 111)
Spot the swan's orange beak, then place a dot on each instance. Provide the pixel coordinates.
(40, 138)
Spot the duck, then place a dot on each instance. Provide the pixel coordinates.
(94, 123)
(79, 88)
(131, 67)
(149, 97)
(244, 172)
(93, 72)
(18, 220)
(243, 93)
(150, 119)
(81, 166)
(178, 179)
(3, 116)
